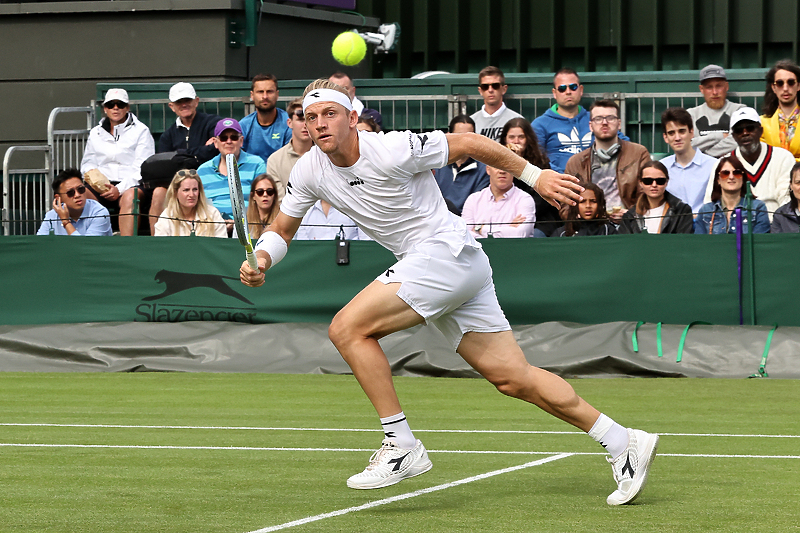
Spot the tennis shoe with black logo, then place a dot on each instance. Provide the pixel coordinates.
(632, 466)
(391, 464)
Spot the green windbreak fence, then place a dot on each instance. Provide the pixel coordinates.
(676, 279)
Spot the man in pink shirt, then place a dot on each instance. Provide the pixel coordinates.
(501, 209)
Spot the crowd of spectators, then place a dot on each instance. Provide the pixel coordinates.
(729, 166)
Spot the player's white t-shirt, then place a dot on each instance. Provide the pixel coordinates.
(389, 192)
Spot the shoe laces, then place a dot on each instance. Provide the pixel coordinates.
(376, 459)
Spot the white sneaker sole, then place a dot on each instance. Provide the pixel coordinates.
(391, 480)
(650, 453)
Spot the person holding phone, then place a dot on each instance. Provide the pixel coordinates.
(73, 213)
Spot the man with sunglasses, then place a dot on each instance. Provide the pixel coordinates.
(712, 119)
(494, 114)
(781, 111)
(73, 213)
(265, 130)
(228, 139)
(280, 164)
(767, 167)
(563, 130)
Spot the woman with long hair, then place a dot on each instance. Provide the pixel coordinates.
(518, 135)
(781, 110)
(263, 205)
(786, 218)
(187, 211)
(728, 192)
(589, 216)
(656, 210)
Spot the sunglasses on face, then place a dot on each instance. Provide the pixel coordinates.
(649, 181)
(789, 83)
(485, 86)
(80, 189)
(726, 173)
(564, 86)
(750, 128)
(262, 192)
(115, 103)
(299, 114)
(233, 136)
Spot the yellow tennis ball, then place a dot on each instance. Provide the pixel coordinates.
(349, 48)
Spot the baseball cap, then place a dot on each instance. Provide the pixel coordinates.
(180, 91)
(744, 113)
(113, 95)
(227, 124)
(712, 71)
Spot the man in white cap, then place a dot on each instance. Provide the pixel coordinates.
(712, 118)
(193, 131)
(767, 167)
(384, 183)
(116, 148)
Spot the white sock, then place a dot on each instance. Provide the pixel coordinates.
(610, 435)
(396, 428)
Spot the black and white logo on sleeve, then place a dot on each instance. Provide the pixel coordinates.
(422, 139)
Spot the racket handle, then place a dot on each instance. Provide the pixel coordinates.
(251, 260)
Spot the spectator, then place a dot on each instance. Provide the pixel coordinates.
(588, 217)
(563, 130)
(656, 210)
(501, 209)
(766, 167)
(712, 119)
(346, 82)
(73, 213)
(264, 204)
(781, 111)
(493, 115)
(266, 129)
(367, 123)
(728, 192)
(323, 222)
(787, 218)
(375, 116)
(116, 148)
(610, 162)
(463, 177)
(518, 135)
(688, 168)
(187, 211)
(280, 164)
(214, 173)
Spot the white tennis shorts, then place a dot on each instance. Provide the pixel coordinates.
(456, 294)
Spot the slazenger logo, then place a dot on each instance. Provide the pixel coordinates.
(573, 144)
(182, 283)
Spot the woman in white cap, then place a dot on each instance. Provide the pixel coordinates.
(116, 148)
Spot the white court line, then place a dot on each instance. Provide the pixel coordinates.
(364, 450)
(357, 430)
(408, 495)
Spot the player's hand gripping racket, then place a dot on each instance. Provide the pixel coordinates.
(237, 206)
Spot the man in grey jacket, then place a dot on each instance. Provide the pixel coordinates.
(713, 118)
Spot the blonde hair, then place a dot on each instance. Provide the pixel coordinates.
(325, 84)
(204, 225)
(255, 224)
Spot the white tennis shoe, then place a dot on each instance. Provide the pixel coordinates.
(630, 469)
(391, 464)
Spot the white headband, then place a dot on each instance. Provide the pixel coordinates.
(327, 95)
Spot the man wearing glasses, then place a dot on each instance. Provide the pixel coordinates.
(563, 130)
(73, 213)
(228, 139)
(767, 167)
(712, 119)
(494, 114)
(280, 164)
(610, 163)
(780, 107)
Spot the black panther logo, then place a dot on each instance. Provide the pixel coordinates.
(175, 282)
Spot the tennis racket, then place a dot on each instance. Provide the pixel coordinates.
(237, 206)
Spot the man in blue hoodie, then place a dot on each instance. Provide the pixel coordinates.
(563, 130)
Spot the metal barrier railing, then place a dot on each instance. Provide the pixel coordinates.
(27, 192)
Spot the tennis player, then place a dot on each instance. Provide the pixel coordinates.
(383, 182)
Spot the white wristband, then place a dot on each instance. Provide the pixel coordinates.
(530, 175)
(274, 245)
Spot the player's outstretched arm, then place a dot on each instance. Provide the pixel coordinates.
(271, 248)
(554, 187)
